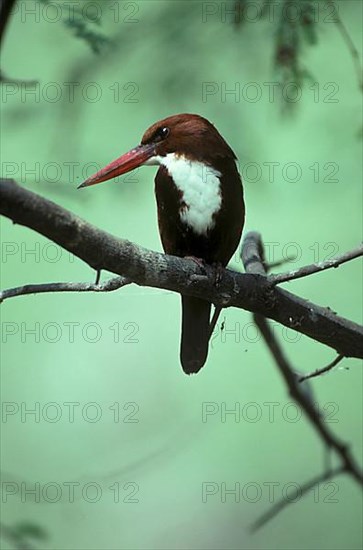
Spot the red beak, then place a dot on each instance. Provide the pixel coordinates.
(127, 162)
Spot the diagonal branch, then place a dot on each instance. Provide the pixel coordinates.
(323, 370)
(350, 44)
(249, 291)
(284, 502)
(252, 256)
(316, 268)
(297, 393)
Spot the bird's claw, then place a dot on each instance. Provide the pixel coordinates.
(218, 273)
(199, 261)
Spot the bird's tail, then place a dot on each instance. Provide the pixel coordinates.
(194, 334)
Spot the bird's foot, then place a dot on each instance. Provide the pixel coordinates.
(199, 261)
(219, 269)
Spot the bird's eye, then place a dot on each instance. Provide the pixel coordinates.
(162, 133)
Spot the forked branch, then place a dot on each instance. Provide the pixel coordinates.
(252, 291)
(253, 259)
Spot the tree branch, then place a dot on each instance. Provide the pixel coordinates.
(284, 502)
(316, 268)
(250, 291)
(350, 45)
(319, 372)
(112, 284)
(253, 260)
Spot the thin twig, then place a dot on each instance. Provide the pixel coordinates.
(316, 268)
(323, 370)
(303, 490)
(112, 284)
(350, 44)
(283, 261)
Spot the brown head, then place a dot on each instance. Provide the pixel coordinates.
(186, 134)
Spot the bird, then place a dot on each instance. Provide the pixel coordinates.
(200, 207)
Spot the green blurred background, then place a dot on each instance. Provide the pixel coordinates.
(145, 439)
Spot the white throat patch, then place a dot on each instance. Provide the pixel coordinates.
(200, 187)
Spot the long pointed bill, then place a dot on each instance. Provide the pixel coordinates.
(127, 162)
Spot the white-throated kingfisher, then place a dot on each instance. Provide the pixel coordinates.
(200, 206)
